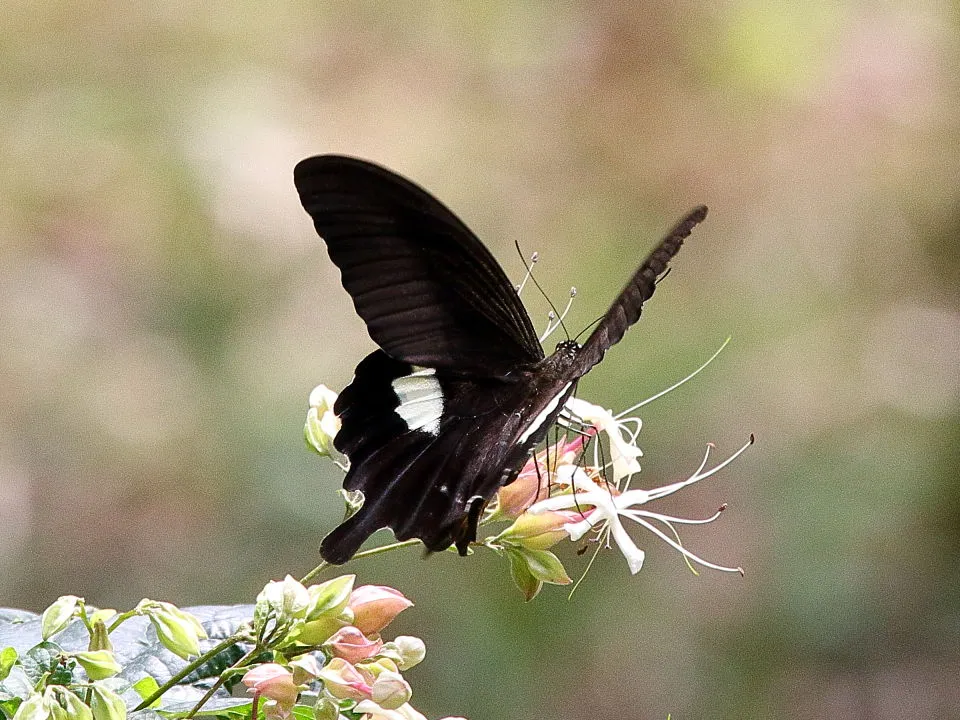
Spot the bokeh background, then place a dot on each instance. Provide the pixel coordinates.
(165, 308)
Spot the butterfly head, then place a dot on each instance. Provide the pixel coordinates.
(569, 348)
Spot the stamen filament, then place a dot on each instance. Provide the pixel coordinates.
(682, 550)
(533, 261)
(675, 385)
(551, 325)
(633, 514)
(698, 475)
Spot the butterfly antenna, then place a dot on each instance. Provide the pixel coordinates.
(580, 334)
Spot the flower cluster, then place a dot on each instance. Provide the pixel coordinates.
(310, 651)
(560, 495)
(355, 673)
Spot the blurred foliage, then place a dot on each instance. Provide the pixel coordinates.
(165, 308)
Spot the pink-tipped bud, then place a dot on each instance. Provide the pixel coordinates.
(375, 606)
(533, 482)
(352, 645)
(346, 682)
(274, 682)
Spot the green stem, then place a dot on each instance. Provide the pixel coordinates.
(245, 660)
(120, 618)
(366, 553)
(208, 655)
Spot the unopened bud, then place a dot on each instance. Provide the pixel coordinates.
(106, 704)
(178, 631)
(375, 606)
(58, 615)
(390, 690)
(98, 664)
(406, 650)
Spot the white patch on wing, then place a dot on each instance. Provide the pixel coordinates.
(421, 400)
(540, 419)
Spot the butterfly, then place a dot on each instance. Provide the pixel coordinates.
(459, 393)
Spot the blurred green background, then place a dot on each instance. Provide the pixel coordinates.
(165, 308)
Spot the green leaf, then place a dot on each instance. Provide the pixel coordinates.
(75, 708)
(106, 704)
(520, 572)
(35, 707)
(8, 708)
(329, 598)
(44, 659)
(99, 664)
(58, 615)
(8, 656)
(145, 688)
(302, 712)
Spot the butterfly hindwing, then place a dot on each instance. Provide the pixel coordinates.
(428, 290)
(421, 445)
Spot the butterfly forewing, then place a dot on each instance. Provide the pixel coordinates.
(625, 310)
(428, 290)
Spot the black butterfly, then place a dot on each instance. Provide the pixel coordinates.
(448, 409)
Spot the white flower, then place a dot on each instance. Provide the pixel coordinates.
(608, 506)
(322, 424)
(286, 598)
(623, 448)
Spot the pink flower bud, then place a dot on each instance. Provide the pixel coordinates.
(523, 492)
(374, 606)
(352, 645)
(275, 682)
(345, 682)
(533, 482)
(372, 711)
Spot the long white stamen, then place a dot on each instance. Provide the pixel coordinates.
(533, 261)
(675, 385)
(550, 317)
(697, 476)
(670, 518)
(551, 325)
(683, 551)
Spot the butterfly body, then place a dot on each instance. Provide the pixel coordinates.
(449, 408)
